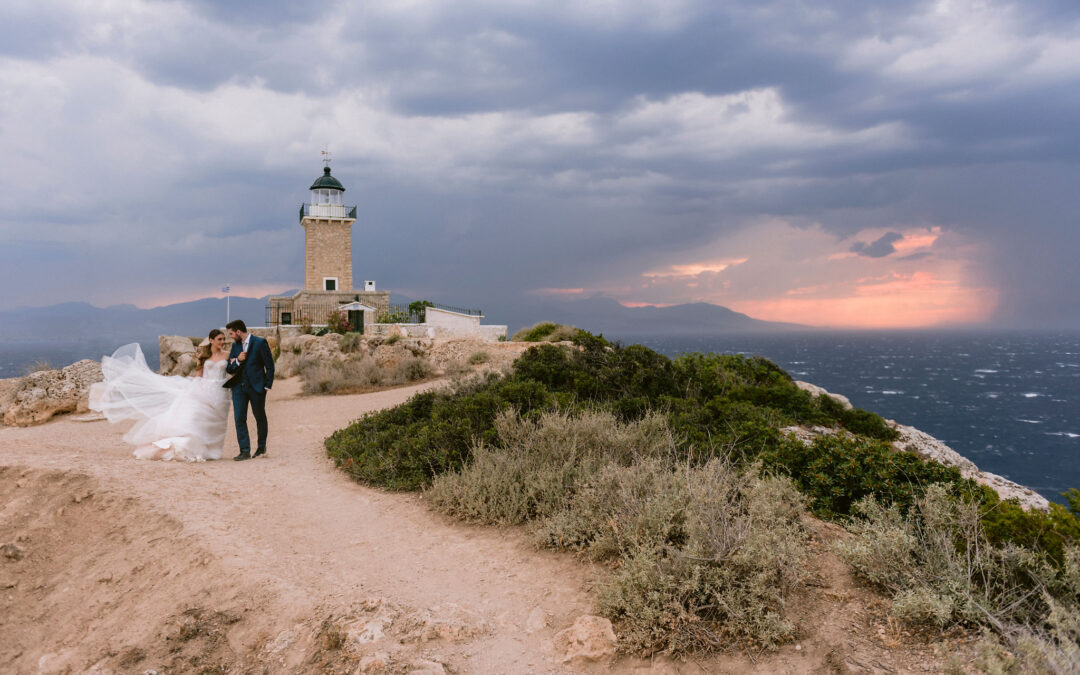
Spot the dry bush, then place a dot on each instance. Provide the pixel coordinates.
(38, 367)
(351, 342)
(410, 369)
(540, 464)
(321, 376)
(940, 568)
(562, 334)
(476, 358)
(724, 567)
(700, 554)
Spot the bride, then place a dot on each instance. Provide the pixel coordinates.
(175, 417)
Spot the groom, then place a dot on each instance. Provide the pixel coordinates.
(251, 356)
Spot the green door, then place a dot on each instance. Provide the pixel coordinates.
(356, 320)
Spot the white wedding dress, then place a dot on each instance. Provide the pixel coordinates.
(180, 418)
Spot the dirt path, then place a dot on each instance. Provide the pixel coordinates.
(279, 564)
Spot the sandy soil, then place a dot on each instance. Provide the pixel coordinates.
(282, 564)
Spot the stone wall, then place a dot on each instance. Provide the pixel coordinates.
(452, 324)
(327, 252)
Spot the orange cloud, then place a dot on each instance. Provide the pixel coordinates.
(646, 304)
(694, 269)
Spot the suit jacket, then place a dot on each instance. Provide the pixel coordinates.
(258, 368)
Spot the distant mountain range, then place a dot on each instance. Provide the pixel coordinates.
(72, 320)
(605, 315)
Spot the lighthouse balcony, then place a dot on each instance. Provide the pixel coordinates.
(328, 211)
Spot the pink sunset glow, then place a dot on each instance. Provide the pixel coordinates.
(920, 300)
(900, 277)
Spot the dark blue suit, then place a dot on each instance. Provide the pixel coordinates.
(257, 377)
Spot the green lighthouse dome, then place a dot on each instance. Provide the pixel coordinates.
(327, 182)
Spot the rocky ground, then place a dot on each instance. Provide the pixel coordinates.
(282, 564)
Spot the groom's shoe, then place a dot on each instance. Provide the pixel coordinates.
(260, 453)
(242, 456)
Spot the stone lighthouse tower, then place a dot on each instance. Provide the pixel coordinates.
(327, 224)
(328, 265)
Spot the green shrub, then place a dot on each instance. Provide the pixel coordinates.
(403, 448)
(536, 332)
(476, 358)
(836, 471)
(396, 314)
(392, 339)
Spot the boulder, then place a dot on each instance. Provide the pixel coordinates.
(819, 391)
(38, 396)
(590, 638)
(7, 394)
(177, 355)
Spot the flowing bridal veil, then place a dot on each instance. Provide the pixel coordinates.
(175, 417)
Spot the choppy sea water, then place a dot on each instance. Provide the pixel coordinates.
(1010, 402)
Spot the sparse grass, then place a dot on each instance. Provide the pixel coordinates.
(351, 342)
(546, 331)
(38, 366)
(476, 358)
(410, 369)
(319, 376)
(391, 339)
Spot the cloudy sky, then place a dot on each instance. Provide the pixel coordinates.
(831, 162)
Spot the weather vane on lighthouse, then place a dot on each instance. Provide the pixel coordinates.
(326, 155)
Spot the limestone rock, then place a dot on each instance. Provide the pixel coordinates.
(424, 667)
(379, 662)
(12, 552)
(590, 638)
(819, 391)
(926, 446)
(177, 355)
(389, 355)
(7, 394)
(537, 621)
(38, 396)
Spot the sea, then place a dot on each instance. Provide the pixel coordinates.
(1010, 402)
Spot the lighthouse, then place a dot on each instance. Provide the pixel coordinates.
(327, 223)
(328, 264)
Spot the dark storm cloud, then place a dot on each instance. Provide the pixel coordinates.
(880, 247)
(548, 146)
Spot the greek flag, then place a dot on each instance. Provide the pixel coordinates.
(224, 289)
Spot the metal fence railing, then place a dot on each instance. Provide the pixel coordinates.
(327, 211)
(459, 310)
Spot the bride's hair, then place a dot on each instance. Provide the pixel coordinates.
(204, 351)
